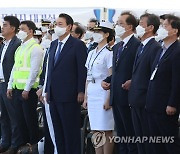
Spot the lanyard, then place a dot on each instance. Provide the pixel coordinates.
(95, 57)
(160, 57)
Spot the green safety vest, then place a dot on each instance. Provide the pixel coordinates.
(22, 66)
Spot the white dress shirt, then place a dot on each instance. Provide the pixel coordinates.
(147, 40)
(6, 44)
(126, 40)
(165, 47)
(63, 42)
(37, 55)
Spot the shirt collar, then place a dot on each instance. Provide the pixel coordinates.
(126, 40)
(101, 48)
(25, 43)
(165, 47)
(147, 40)
(7, 42)
(65, 39)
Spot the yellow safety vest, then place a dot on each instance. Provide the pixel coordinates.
(22, 66)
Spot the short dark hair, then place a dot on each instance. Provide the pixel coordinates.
(163, 16)
(111, 33)
(131, 19)
(31, 25)
(152, 19)
(13, 21)
(93, 20)
(174, 21)
(69, 20)
(79, 29)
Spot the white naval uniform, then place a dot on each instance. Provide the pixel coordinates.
(99, 118)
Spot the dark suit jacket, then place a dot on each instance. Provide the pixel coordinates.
(67, 78)
(42, 76)
(164, 89)
(122, 72)
(92, 47)
(142, 73)
(8, 60)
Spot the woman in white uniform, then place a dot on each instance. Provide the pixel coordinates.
(99, 66)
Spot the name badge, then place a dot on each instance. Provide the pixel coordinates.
(153, 74)
(89, 76)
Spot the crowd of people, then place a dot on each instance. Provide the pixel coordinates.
(126, 74)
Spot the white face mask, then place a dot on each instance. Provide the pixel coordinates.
(37, 40)
(161, 34)
(98, 37)
(44, 29)
(59, 31)
(46, 43)
(119, 30)
(54, 37)
(88, 35)
(117, 39)
(140, 31)
(22, 35)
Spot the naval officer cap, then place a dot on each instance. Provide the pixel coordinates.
(45, 22)
(104, 24)
(37, 33)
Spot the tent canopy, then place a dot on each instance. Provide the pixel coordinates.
(82, 10)
(129, 4)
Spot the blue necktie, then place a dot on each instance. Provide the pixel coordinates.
(56, 57)
(162, 52)
(139, 51)
(119, 51)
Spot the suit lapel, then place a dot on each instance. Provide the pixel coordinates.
(65, 49)
(1, 49)
(115, 52)
(125, 50)
(168, 52)
(52, 53)
(156, 59)
(10, 46)
(147, 46)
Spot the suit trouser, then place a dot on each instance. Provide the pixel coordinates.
(164, 126)
(66, 122)
(10, 131)
(140, 123)
(27, 115)
(124, 126)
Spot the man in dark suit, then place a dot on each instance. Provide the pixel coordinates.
(140, 78)
(10, 133)
(163, 96)
(123, 60)
(65, 86)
